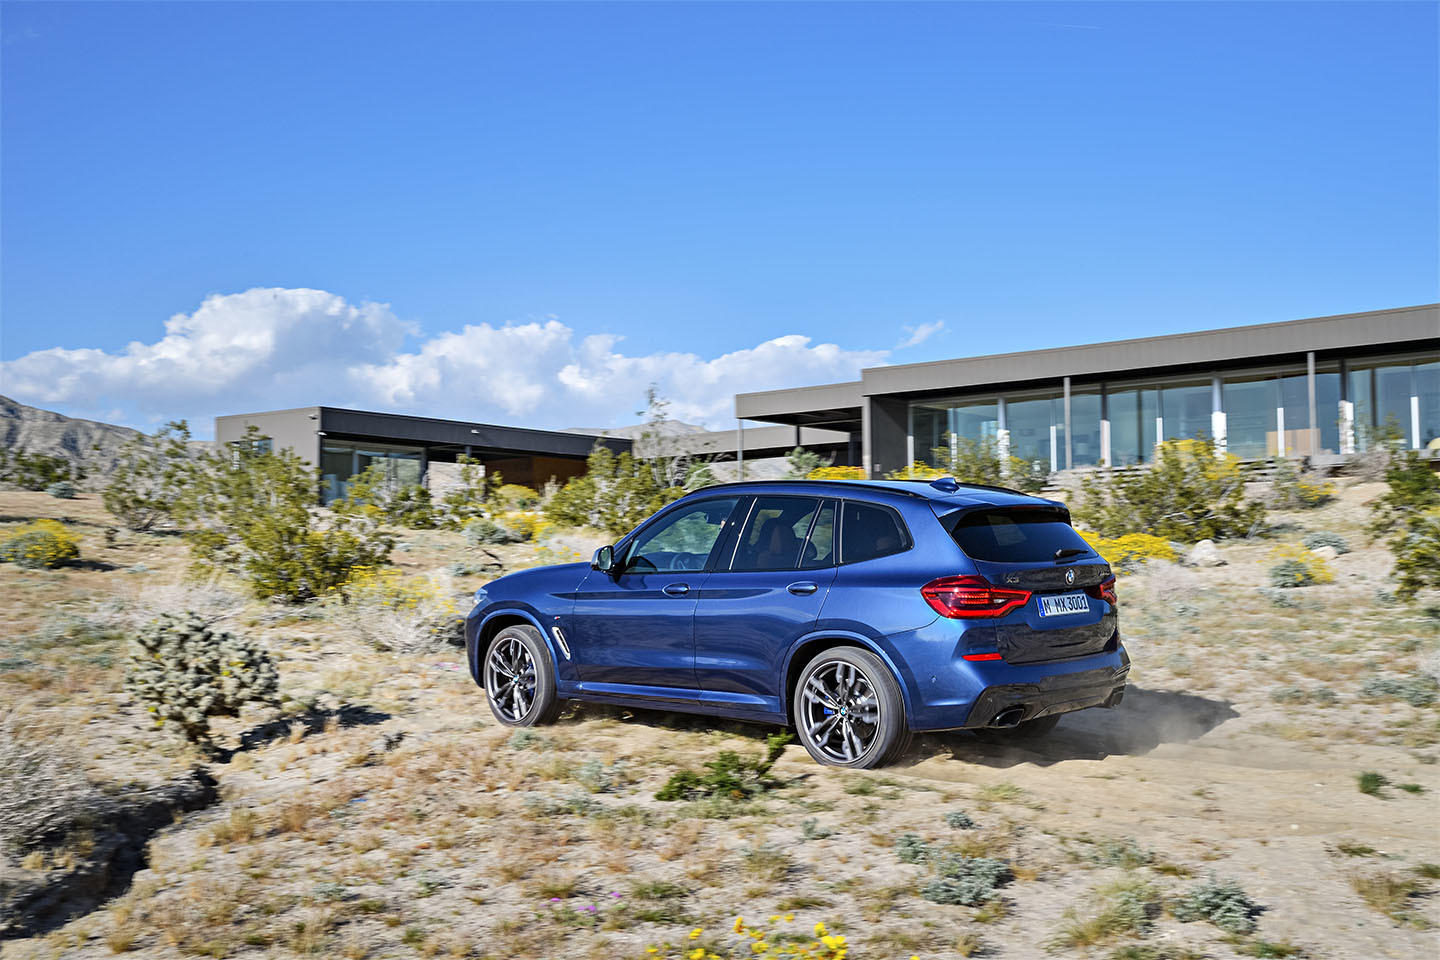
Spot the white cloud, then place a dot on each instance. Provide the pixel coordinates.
(266, 349)
(918, 335)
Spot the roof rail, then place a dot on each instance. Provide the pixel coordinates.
(845, 484)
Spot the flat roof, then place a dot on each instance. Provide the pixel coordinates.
(838, 405)
(1346, 331)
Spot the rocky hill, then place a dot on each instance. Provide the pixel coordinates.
(92, 445)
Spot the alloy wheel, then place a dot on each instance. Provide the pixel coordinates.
(841, 712)
(510, 679)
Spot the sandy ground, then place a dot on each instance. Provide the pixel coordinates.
(413, 825)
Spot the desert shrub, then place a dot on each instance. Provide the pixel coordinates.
(1409, 512)
(1187, 493)
(253, 510)
(150, 476)
(46, 790)
(184, 671)
(1222, 902)
(801, 463)
(483, 530)
(383, 498)
(43, 543)
(1371, 783)
(465, 500)
(523, 525)
(513, 496)
(1418, 691)
(959, 820)
(62, 490)
(978, 461)
(1125, 909)
(1294, 566)
(616, 492)
(1376, 450)
(1127, 553)
(1293, 489)
(1324, 538)
(836, 473)
(728, 776)
(391, 611)
(912, 849)
(1121, 852)
(967, 881)
(36, 471)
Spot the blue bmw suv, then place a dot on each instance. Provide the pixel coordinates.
(856, 612)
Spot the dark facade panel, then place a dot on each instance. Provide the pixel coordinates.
(431, 432)
(833, 404)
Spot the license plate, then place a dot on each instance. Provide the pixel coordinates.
(1064, 604)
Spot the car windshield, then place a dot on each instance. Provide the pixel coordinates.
(1014, 535)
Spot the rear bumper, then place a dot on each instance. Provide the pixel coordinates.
(1061, 693)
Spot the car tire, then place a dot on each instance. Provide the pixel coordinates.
(1025, 730)
(519, 678)
(848, 710)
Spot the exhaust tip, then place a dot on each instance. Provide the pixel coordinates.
(1009, 717)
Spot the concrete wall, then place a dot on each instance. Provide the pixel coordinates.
(287, 429)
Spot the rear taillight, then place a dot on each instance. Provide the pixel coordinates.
(1104, 590)
(965, 598)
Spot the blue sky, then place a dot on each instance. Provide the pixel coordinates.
(534, 181)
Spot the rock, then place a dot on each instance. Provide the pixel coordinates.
(1205, 554)
(1326, 553)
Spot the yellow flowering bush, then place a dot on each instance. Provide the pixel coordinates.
(743, 940)
(1129, 552)
(44, 543)
(1294, 566)
(836, 473)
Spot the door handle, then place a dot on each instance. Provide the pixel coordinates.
(803, 589)
(675, 589)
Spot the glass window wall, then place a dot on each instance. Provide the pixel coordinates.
(1037, 430)
(340, 462)
(1084, 429)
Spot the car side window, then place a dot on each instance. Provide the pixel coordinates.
(681, 540)
(820, 547)
(775, 535)
(868, 530)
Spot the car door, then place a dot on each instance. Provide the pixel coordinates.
(767, 595)
(632, 629)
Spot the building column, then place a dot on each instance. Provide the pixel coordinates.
(1414, 407)
(1314, 419)
(1069, 443)
(1346, 412)
(909, 440)
(740, 447)
(1219, 425)
(1280, 425)
(1002, 437)
(1105, 460)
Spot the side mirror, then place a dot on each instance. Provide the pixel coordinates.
(604, 559)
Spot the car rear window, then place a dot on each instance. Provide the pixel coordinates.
(1013, 535)
(868, 531)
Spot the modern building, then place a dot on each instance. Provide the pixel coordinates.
(1322, 387)
(343, 443)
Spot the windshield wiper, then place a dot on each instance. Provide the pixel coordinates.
(1064, 552)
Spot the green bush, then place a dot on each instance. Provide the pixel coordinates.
(465, 499)
(44, 543)
(62, 490)
(1187, 493)
(1291, 573)
(1222, 902)
(1324, 538)
(967, 881)
(36, 471)
(1418, 691)
(615, 494)
(184, 671)
(912, 849)
(728, 776)
(253, 510)
(1409, 512)
(1292, 489)
(959, 820)
(483, 530)
(150, 476)
(378, 495)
